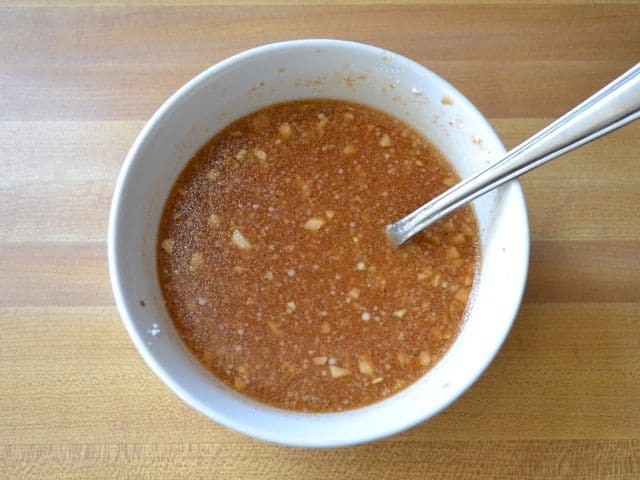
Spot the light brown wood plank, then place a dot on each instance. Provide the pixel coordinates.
(73, 72)
(57, 211)
(76, 274)
(577, 367)
(250, 3)
(604, 160)
(584, 211)
(45, 275)
(584, 272)
(592, 193)
(89, 92)
(48, 183)
(58, 185)
(525, 460)
(443, 32)
(63, 153)
(94, 150)
(544, 89)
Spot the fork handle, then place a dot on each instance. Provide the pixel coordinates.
(608, 109)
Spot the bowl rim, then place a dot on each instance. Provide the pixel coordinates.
(245, 426)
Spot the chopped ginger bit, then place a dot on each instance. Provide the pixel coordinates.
(239, 240)
(424, 358)
(403, 358)
(329, 213)
(458, 239)
(349, 150)
(314, 224)
(242, 154)
(339, 372)
(284, 129)
(354, 293)
(291, 307)
(212, 174)
(213, 220)
(322, 123)
(452, 252)
(348, 116)
(385, 141)
(196, 260)
(167, 245)
(320, 360)
(462, 295)
(399, 313)
(366, 367)
(376, 380)
(361, 266)
(449, 226)
(260, 122)
(273, 326)
(325, 329)
(449, 181)
(260, 154)
(239, 383)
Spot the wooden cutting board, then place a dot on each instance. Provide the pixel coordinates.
(78, 81)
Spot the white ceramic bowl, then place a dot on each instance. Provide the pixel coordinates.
(294, 70)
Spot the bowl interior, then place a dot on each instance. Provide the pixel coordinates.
(308, 69)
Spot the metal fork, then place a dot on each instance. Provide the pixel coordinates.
(610, 108)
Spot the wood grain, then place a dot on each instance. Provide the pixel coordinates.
(442, 32)
(103, 387)
(79, 79)
(413, 460)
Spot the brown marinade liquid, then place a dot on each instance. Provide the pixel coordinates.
(275, 266)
